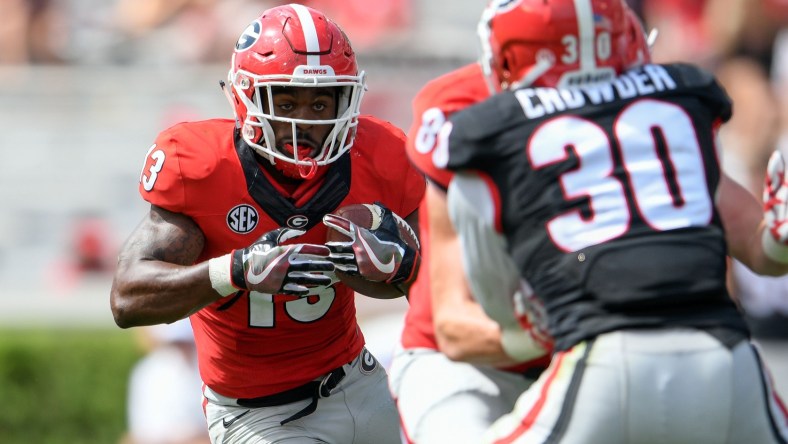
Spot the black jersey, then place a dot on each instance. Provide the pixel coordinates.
(607, 198)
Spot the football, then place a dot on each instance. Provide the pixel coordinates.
(369, 216)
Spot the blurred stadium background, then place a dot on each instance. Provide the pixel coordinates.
(85, 86)
(96, 80)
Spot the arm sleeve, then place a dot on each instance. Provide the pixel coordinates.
(492, 275)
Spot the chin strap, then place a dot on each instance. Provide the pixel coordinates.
(308, 173)
(230, 101)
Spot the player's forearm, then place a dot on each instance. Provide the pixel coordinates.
(152, 292)
(472, 339)
(744, 225)
(760, 262)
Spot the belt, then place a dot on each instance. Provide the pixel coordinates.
(312, 389)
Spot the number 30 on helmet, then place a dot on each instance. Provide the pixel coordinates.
(294, 46)
(558, 42)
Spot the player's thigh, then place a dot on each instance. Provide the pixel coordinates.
(360, 410)
(775, 356)
(440, 400)
(366, 396)
(544, 405)
(759, 414)
(228, 424)
(678, 386)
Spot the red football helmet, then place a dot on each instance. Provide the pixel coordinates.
(558, 42)
(294, 46)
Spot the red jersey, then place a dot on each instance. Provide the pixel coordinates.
(440, 97)
(432, 105)
(254, 344)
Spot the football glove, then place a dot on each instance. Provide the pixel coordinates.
(266, 266)
(531, 315)
(775, 208)
(378, 255)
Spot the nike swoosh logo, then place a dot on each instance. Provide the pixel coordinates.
(227, 423)
(384, 268)
(252, 278)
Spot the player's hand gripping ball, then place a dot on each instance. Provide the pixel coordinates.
(370, 241)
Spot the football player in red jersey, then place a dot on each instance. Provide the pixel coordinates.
(236, 240)
(440, 399)
(597, 173)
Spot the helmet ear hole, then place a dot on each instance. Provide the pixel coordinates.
(507, 65)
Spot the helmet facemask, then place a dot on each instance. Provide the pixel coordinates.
(258, 133)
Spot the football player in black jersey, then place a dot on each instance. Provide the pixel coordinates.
(597, 173)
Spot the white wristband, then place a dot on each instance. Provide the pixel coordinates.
(519, 344)
(219, 273)
(773, 249)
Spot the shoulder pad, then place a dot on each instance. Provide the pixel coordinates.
(705, 86)
(488, 118)
(438, 99)
(691, 76)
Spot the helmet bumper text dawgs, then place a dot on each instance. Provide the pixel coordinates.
(294, 46)
(559, 43)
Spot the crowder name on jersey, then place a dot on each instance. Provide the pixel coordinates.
(648, 79)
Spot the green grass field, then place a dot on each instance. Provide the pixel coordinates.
(64, 386)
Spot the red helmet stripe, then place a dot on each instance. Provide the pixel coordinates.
(310, 34)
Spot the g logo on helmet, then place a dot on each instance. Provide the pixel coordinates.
(249, 36)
